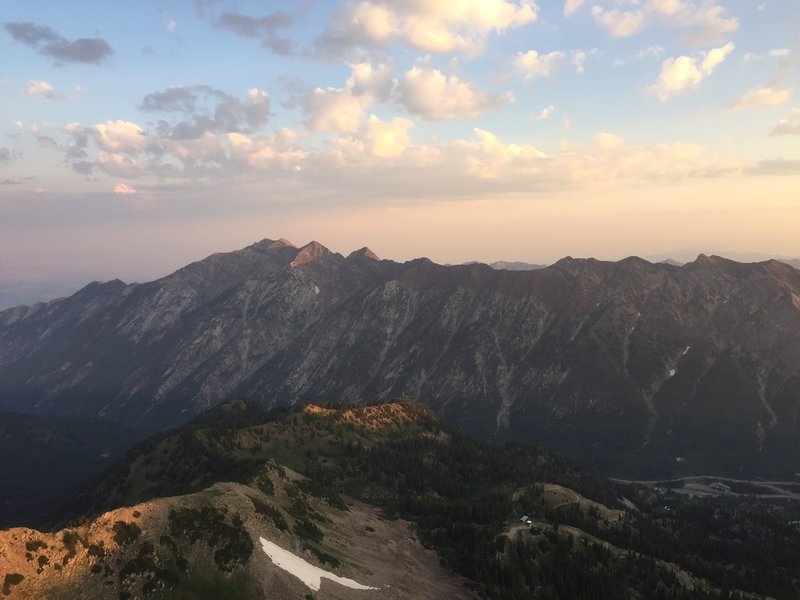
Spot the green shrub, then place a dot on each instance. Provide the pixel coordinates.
(125, 533)
(271, 512)
(10, 581)
(307, 530)
(232, 542)
(35, 545)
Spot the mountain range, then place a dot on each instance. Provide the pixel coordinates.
(639, 369)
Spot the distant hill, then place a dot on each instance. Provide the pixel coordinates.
(508, 265)
(387, 497)
(516, 266)
(45, 460)
(640, 369)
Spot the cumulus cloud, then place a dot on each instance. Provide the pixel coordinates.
(431, 26)
(118, 165)
(619, 23)
(385, 141)
(342, 109)
(118, 136)
(434, 96)
(715, 57)
(48, 42)
(124, 189)
(765, 96)
(790, 125)
(266, 29)
(372, 80)
(40, 88)
(335, 109)
(685, 73)
(705, 19)
(203, 109)
(532, 64)
(277, 150)
(387, 138)
(380, 154)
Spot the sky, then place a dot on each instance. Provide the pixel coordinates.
(137, 137)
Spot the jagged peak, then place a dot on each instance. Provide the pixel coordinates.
(713, 258)
(365, 252)
(268, 244)
(310, 252)
(282, 243)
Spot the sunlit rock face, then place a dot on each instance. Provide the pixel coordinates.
(636, 367)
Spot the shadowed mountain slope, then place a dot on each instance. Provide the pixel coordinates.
(639, 368)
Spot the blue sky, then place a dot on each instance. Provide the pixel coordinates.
(136, 137)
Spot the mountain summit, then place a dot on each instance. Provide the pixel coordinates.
(363, 252)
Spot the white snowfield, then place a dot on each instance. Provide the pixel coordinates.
(305, 571)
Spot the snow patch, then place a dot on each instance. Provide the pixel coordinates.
(685, 352)
(305, 571)
(672, 372)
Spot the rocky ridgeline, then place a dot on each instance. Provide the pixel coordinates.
(639, 368)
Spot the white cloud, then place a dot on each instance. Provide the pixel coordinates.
(579, 61)
(387, 139)
(685, 73)
(608, 141)
(118, 136)
(790, 125)
(436, 97)
(765, 96)
(774, 53)
(342, 109)
(572, 6)
(40, 88)
(545, 113)
(705, 18)
(118, 165)
(532, 64)
(335, 109)
(374, 80)
(124, 189)
(677, 75)
(277, 150)
(619, 23)
(715, 56)
(431, 25)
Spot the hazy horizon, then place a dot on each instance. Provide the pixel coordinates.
(27, 288)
